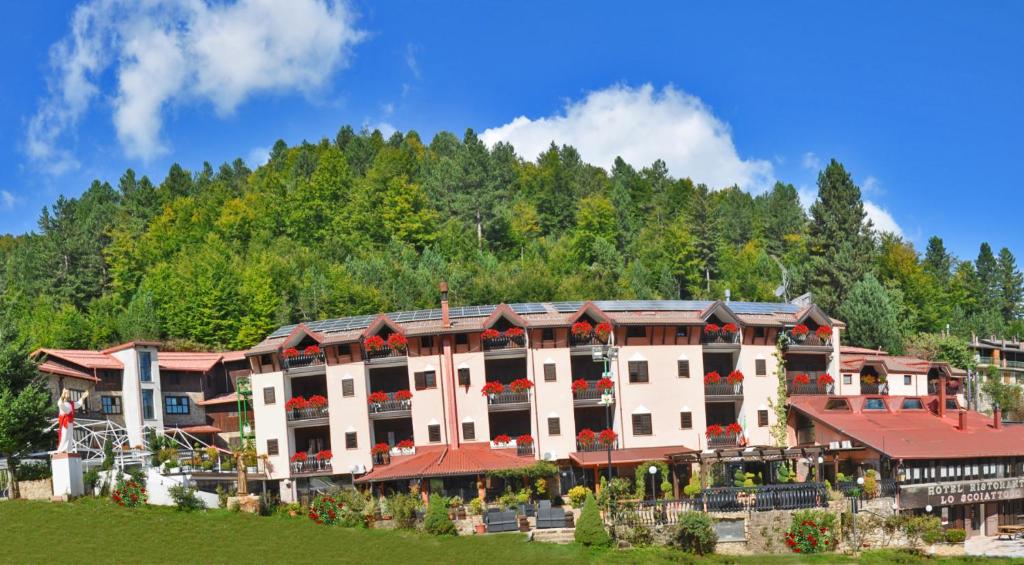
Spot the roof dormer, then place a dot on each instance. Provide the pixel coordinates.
(503, 318)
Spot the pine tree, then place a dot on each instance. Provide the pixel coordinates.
(874, 316)
(1011, 285)
(24, 403)
(590, 529)
(937, 261)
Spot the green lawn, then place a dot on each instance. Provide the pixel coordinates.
(98, 531)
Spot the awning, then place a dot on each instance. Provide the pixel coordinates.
(468, 459)
(628, 456)
(230, 398)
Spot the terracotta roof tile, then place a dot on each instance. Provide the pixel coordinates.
(54, 368)
(628, 456)
(468, 459)
(83, 358)
(192, 362)
(230, 398)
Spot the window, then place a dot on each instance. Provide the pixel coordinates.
(427, 341)
(269, 397)
(176, 405)
(682, 331)
(266, 360)
(464, 376)
(145, 367)
(759, 332)
(837, 404)
(549, 372)
(75, 394)
(425, 379)
(686, 420)
(636, 331)
(548, 334)
(642, 425)
(912, 404)
(272, 448)
(762, 418)
(847, 379)
(461, 339)
(683, 367)
(348, 387)
(111, 404)
(554, 426)
(147, 405)
(908, 380)
(351, 440)
(638, 372)
(434, 433)
(874, 404)
(468, 431)
(951, 404)
(760, 367)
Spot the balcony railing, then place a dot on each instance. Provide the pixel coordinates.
(591, 395)
(384, 352)
(985, 360)
(723, 389)
(509, 399)
(874, 388)
(585, 340)
(951, 389)
(390, 407)
(720, 338)
(303, 360)
(811, 387)
(728, 439)
(595, 446)
(381, 458)
(308, 413)
(311, 465)
(502, 343)
(807, 340)
(525, 450)
(1014, 364)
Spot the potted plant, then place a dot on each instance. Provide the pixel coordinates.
(520, 385)
(712, 378)
(374, 343)
(525, 442)
(377, 398)
(586, 437)
(296, 404)
(605, 384)
(730, 328)
(712, 329)
(515, 334)
(734, 429)
(317, 402)
(582, 329)
(735, 378)
(824, 333)
(289, 353)
(397, 342)
(578, 386)
(801, 380)
(800, 332)
(607, 437)
(311, 350)
(489, 334)
(603, 331)
(883, 384)
(492, 389)
(403, 395)
(714, 430)
(406, 446)
(476, 508)
(380, 452)
(502, 440)
(826, 381)
(323, 457)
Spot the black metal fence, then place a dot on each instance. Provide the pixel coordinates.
(792, 496)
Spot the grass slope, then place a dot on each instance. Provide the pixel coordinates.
(98, 531)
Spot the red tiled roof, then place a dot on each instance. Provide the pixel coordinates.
(193, 362)
(84, 358)
(231, 356)
(230, 398)
(58, 369)
(914, 434)
(130, 345)
(628, 456)
(891, 363)
(851, 350)
(435, 461)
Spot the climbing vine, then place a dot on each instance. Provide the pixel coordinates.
(778, 404)
(641, 478)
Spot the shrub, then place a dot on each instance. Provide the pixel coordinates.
(267, 504)
(924, 528)
(437, 521)
(325, 510)
(90, 478)
(618, 489)
(812, 531)
(130, 493)
(640, 535)
(955, 535)
(695, 533)
(403, 509)
(692, 488)
(590, 530)
(578, 495)
(476, 506)
(185, 498)
(871, 484)
(33, 471)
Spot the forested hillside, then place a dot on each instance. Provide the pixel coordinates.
(360, 224)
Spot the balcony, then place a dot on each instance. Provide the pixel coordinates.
(505, 346)
(304, 364)
(312, 465)
(585, 340)
(525, 450)
(723, 441)
(508, 401)
(384, 355)
(723, 390)
(307, 414)
(812, 386)
(952, 388)
(874, 388)
(1012, 364)
(590, 396)
(595, 446)
(985, 360)
(391, 408)
(809, 342)
(721, 339)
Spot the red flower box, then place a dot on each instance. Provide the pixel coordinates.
(403, 395)
(586, 437)
(730, 328)
(607, 437)
(711, 328)
(324, 455)
(405, 444)
(802, 379)
(492, 387)
(825, 379)
(823, 332)
(514, 332)
(579, 385)
(734, 378)
(378, 397)
(502, 439)
(373, 343)
(521, 385)
(290, 352)
(490, 334)
(712, 378)
(312, 350)
(800, 329)
(734, 429)
(714, 430)
(317, 401)
(605, 384)
(300, 457)
(381, 448)
(397, 342)
(582, 328)
(525, 439)
(603, 330)
(296, 403)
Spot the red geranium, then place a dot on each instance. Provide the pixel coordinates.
(734, 378)
(525, 439)
(300, 457)
(490, 333)
(289, 353)
(801, 379)
(296, 403)
(312, 350)
(586, 436)
(317, 401)
(582, 328)
(405, 444)
(603, 330)
(605, 384)
(377, 397)
(714, 430)
(521, 385)
(711, 328)
(514, 332)
(579, 385)
(380, 449)
(730, 328)
(800, 329)
(712, 378)
(824, 332)
(501, 439)
(825, 379)
(492, 387)
(325, 455)
(397, 342)
(607, 437)
(734, 429)
(373, 343)
(403, 395)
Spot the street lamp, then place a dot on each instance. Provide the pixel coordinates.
(653, 470)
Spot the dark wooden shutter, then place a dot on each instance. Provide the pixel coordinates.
(642, 425)
(420, 380)
(434, 433)
(468, 431)
(269, 396)
(683, 365)
(350, 440)
(348, 387)
(686, 420)
(272, 448)
(549, 372)
(760, 367)
(464, 376)
(554, 427)
(638, 372)
(762, 418)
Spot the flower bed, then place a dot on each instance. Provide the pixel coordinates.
(129, 494)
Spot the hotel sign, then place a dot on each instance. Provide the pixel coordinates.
(961, 492)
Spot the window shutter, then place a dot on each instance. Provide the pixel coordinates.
(269, 397)
(638, 372)
(348, 387)
(468, 431)
(549, 372)
(642, 425)
(434, 433)
(421, 380)
(430, 379)
(762, 418)
(760, 367)
(272, 447)
(554, 427)
(350, 440)
(684, 368)
(464, 376)
(686, 420)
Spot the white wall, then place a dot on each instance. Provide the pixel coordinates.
(271, 422)
(349, 413)
(131, 393)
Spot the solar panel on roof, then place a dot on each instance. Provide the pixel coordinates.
(528, 308)
(566, 306)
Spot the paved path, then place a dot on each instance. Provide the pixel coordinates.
(994, 547)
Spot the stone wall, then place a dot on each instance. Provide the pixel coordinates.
(36, 490)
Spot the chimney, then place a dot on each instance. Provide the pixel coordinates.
(445, 319)
(962, 425)
(942, 396)
(997, 417)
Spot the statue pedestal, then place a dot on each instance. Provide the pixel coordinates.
(67, 475)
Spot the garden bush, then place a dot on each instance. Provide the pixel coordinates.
(955, 535)
(129, 493)
(693, 487)
(325, 510)
(403, 508)
(924, 528)
(695, 533)
(89, 479)
(476, 506)
(437, 521)
(33, 471)
(812, 531)
(590, 529)
(185, 498)
(578, 495)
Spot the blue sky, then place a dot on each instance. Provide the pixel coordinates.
(920, 100)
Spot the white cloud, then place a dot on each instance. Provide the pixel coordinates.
(807, 196)
(641, 125)
(257, 156)
(164, 52)
(811, 161)
(386, 129)
(872, 185)
(410, 60)
(6, 200)
(883, 220)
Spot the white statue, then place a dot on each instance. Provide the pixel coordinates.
(66, 419)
